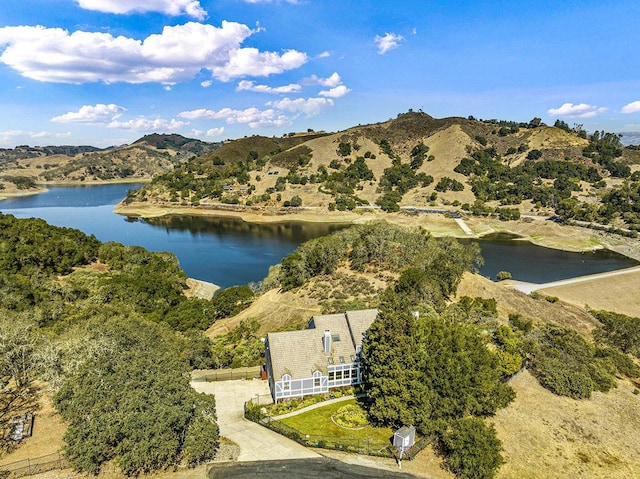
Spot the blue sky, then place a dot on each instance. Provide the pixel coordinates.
(106, 72)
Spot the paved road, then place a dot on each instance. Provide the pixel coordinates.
(321, 468)
(256, 443)
(528, 288)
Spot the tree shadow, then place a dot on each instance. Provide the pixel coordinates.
(15, 401)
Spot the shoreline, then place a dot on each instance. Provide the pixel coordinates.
(539, 232)
(44, 187)
(542, 233)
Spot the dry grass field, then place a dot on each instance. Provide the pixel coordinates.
(551, 437)
(538, 310)
(617, 293)
(48, 430)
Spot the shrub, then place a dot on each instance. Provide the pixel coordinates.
(502, 275)
(534, 155)
(566, 364)
(471, 449)
(351, 416)
(619, 330)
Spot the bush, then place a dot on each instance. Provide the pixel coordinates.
(566, 364)
(619, 330)
(471, 449)
(231, 301)
(534, 155)
(502, 275)
(351, 416)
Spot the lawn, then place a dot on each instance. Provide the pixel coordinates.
(317, 422)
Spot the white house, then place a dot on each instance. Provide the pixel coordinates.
(324, 356)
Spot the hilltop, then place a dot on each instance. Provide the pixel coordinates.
(24, 167)
(483, 167)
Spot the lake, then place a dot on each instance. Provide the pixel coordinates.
(227, 251)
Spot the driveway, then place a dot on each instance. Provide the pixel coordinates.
(256, 443)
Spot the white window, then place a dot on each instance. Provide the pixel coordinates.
(286, 382)
(316, 379)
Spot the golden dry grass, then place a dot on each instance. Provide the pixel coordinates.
(274, 309)
(548, 436)
(538, 310)
(48, 431)
(616, 293)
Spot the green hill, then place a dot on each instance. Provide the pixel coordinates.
(480, 166)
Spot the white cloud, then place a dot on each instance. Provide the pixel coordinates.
(99, 113)
(633, 107)
(252, 62)
(336, 92)
(206, 83)
(199, 114)
(175, 55)
(214, 132)
(581, 110)
(246, 85)
(169, 7)
(388, 42)
(10, 138)
(254, 117)
(145, 124)
(331, 81)
(308, 106)
(293, 2)
(324, 54)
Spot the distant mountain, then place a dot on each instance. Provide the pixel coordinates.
(630, 138)
(26, 151)
(177, 142)
(146, 157)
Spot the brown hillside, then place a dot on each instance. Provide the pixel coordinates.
(538, 310)
(545, 436)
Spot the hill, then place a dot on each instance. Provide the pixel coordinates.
(543, 432)
(483, 167)
(23, 167)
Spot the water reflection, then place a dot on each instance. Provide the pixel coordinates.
(228, 251)
(232, 227)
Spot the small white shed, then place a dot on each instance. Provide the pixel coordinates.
(404, 438)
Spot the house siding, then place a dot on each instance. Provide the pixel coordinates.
(340, 375)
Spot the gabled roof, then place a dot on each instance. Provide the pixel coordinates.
(359, 322)
(300, 353)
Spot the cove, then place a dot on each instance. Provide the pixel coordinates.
(227, 251)
(222, 251)
(535, 264)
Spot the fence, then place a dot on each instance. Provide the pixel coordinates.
(358, 446)
(253, 412)
(417, 447)
(32, 466)
(211, 375)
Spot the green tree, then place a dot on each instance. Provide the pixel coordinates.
(471, 449)
(134, 404)
(417, 370)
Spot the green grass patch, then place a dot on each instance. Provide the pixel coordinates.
(317, 422)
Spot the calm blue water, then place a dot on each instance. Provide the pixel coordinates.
(223, 251)
(228, 251)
